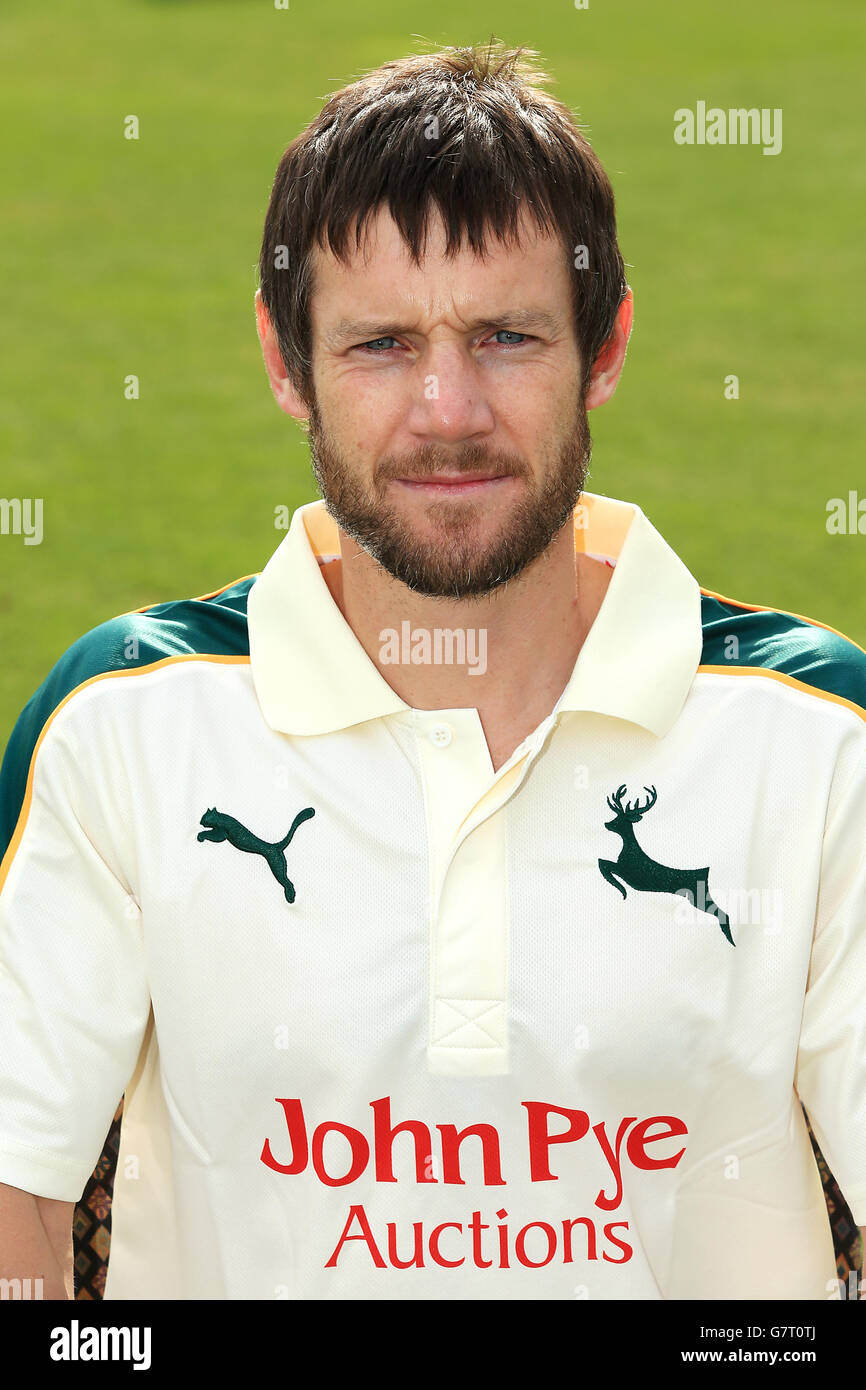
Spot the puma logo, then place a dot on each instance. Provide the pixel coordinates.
(223, 827)
(639, 871)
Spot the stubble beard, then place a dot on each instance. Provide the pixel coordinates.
(453, 564)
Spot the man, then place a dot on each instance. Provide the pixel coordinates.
(466, 904)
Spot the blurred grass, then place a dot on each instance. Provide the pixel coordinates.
(139, 257)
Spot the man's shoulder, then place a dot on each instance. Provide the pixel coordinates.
(213, 626)
(739, 636)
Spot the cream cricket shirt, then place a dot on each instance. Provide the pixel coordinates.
(392, 1025)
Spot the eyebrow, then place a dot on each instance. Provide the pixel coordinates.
(366, 330)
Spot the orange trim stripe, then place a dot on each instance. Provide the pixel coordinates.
(21, 823)
(786, 680)
(762, 608)
(197, 598)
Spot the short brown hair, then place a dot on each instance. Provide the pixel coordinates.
(467, 131)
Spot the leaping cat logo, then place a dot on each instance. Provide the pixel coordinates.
(223, 827)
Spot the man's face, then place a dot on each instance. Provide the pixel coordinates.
(448, 431)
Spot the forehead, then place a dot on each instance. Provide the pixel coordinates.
(381, 277)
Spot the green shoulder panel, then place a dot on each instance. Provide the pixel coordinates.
(767, 638)
(213, 626)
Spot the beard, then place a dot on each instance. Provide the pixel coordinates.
(455, 563)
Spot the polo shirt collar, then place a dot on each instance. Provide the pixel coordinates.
(312, 676)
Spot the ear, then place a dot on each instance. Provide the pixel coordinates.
(608, 365)
(285, 394)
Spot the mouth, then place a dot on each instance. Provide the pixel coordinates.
(455, 484)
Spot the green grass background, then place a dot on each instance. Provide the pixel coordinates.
(139, 257)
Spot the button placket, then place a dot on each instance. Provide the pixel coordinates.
(468, 927)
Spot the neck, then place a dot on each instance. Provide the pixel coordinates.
(509, 654)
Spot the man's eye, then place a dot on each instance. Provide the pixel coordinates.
(509, 333)
(507, 336)
(375, 344)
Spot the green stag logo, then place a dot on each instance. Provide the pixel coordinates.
(223, 827)
(639, 871)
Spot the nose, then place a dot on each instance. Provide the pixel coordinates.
(449, 401)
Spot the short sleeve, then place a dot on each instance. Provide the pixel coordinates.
(74, 999)
(831, 1060)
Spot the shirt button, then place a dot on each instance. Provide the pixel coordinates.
(440, 735)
